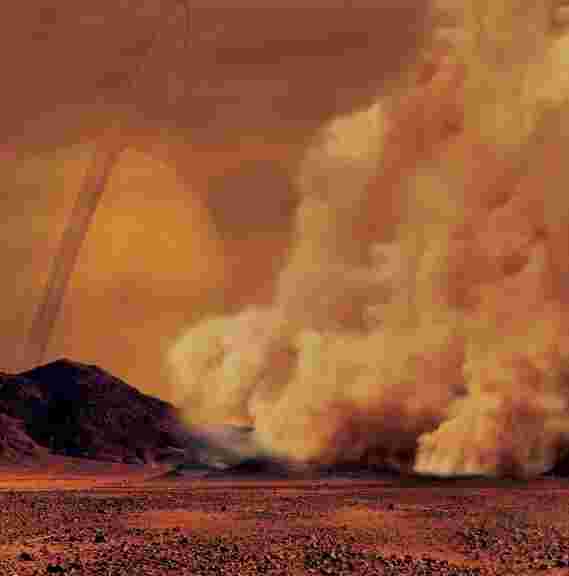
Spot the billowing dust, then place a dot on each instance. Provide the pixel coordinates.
(422, 315)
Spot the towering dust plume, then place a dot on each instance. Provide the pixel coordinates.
(423, 313)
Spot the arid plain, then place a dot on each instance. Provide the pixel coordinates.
(98, 519)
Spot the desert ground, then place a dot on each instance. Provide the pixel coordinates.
(101, 519)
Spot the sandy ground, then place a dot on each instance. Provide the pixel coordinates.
(120, 520)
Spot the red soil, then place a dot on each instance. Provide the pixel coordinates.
(82, 518)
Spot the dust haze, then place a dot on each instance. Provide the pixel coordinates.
(421, 317)
(209, 101)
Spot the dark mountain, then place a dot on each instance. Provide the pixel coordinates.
(79, 410)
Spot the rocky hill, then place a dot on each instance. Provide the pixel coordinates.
(79, 410)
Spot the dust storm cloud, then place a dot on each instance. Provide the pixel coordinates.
(422, 315)
(193, 89)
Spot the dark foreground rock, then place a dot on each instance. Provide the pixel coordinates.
(14, 441)
(256, 468)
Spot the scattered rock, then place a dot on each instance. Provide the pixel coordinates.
(100, 538)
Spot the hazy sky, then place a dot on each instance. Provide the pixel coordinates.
(220, 99)
(159, 254)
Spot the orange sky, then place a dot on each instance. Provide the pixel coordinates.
(161, 252)
(196, 221)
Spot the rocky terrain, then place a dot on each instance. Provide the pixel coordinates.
(283, 527)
